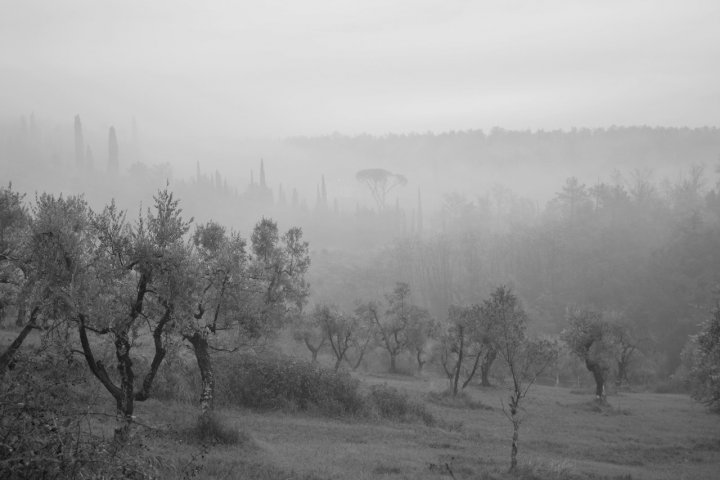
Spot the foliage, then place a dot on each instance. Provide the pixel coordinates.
(392, 404)
(338, 329)
(397, 328)
(380, 182)
(447, 398)
(212, 428)
(46, 432)
(705, 366)
(590, 337)
(526, 359)
(277, 382)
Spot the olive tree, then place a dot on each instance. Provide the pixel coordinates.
(247, 293)
(120, 270)
(526, 359)
(338, 329)
(394, 327)
(468, 339)
(590, 337)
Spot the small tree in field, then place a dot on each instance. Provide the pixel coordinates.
(114, 278)
(525, 359)
(363, 340)
(305, 329)
(250, 294)
(469, 340)
(395, 328)
(338, 329)
(589, 336)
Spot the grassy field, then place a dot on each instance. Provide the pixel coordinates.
(565, 435)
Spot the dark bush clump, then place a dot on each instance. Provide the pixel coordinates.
(461, 400)
(212, 428)
(288, 384)
(389, 403)
(44, 425)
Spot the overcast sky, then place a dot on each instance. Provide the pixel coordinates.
(274, 68)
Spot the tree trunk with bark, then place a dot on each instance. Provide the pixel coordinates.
(514, 418)
(8, 355)
(393, 365)
(124, 401)
(599, 375)
(160, 352)
(204, 361)
(456, 375)
(420, 360)
(486, 365)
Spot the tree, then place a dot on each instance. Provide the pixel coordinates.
(704, 355)
(525, 359)
(113, 153)
(573, 197)
(457, 345)
(14, 255)
(338, 329)
(79, 144)
(252, 294)
(394, 327)
(420, 334)
(589, 336)
(41, 259)
(380, 182)
(470, 338)
(112, 279)
(306, 330)
(363, 339)
(625, 349)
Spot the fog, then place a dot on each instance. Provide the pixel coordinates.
(211, 71)
(489, 111)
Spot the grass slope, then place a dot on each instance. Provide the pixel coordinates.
(565, 435)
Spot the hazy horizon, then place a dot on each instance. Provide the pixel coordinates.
(219, 71)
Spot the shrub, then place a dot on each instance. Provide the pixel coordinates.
(213, 428)
(389, 403)
(278, 382)
(44, 402)
(461, 400)
(177, 379)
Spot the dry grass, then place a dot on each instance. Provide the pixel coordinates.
(638, 436)
(565, 435)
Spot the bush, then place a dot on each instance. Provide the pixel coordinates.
(213, 428)
(461, 400)
(389, 403)
(44, 422)
(177, 379)
(269, 383)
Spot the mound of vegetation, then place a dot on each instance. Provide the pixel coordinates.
(279, 382)
(213, 428)
(45, 422)
(461, 400)
(388, 402)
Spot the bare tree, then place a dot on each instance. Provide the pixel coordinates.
(525, 359)
(380, 182)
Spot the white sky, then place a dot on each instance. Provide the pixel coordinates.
(223, 69)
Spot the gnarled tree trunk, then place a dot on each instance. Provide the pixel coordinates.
(486, 365)
(7, 357)
(204, 361)
(125, 405)
(599, 375)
